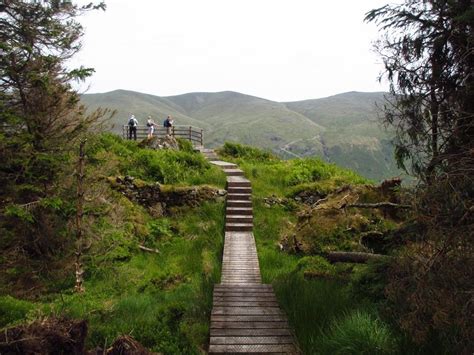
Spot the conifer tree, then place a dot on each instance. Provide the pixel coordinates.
(428, 52)
(41, 117)
(40, 112)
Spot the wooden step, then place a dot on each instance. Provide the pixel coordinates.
(248, 211)
(239, 190)
(237, 181)
(233, 172)
(234, 218)
(223, 164)
(239, 203)
(238, 227)
(239, 197)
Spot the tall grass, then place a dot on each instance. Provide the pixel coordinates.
(163, 300)
(357, 332)
(327, 320)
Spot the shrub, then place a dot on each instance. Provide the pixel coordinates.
(235, 150)
(306, 170)
(185, 145)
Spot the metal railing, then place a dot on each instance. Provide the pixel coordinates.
(192, 134)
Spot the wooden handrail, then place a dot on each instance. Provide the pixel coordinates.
(192, 134)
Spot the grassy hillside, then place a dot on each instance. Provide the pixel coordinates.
(342, 129)
(162, 296)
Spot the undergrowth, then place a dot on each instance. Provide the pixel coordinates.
(162, 298)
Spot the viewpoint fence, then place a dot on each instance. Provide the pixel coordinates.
(192, 134)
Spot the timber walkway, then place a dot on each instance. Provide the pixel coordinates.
(246, 317)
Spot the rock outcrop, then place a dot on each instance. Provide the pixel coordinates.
(157, 143)
(161, 199)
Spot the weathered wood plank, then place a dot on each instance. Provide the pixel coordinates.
(246, 298)
(246, 304)
(239, 318)
(249, 349)
(265, 287)
(253, 311)
(250, 332)
(238, 293)
(226, 340)
(249, 325)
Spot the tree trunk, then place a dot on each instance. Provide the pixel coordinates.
(79, 216)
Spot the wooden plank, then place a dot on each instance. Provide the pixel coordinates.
(250, 311)
(225, 340)
(246, 299)
(243, 318)
(246, 275)
(248, 325)
(242, 279)
(222, 163)
(237, 179)
(250, 332)
(239, 292)
(267, 287)
(249, 294)
(246, 304)
(255, 348)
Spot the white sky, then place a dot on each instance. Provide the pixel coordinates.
(276, 49)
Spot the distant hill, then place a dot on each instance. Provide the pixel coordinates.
(342, 129)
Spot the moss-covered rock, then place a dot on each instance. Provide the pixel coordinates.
(160, 199)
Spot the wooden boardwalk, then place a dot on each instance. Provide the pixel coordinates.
(246, 317)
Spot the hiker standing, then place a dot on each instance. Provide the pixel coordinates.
(168, 124)
(132, 127)
(151, 127)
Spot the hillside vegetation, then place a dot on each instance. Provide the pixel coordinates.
(342, 129)
(150, 269)
(161, 298)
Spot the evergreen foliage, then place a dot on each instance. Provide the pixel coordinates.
(428, 52)
(41, 117)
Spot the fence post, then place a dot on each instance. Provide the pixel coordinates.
(202, 144)
(190, 136)
(172, 131)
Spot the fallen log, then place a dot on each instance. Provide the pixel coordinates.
(352, 257)
(379, 205)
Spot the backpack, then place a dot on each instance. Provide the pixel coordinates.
(165, 123)
(131, 122)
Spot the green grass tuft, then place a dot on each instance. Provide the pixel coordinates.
(357, 333)
(13, 310)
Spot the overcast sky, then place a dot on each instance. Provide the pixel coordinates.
(276, 49)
